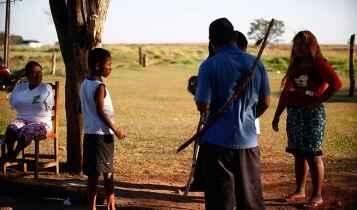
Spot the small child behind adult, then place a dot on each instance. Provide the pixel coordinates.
(242, 43)
(99, 127)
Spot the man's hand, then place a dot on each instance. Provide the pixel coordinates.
(202, 107)
(119, 133)
(275, 124)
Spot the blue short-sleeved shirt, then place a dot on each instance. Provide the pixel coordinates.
(216, 80)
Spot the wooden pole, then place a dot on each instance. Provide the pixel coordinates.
(140, 52)
(351, 68)
(54, 62)
(7, 34)
(143, 63)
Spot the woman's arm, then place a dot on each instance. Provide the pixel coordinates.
(99, 99)
(49, 99)
(329, 75)
(13, 95)
(279, 109)
(263, 104)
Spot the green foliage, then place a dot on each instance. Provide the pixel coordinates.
(14, 39)
(259, 26)
(276, 63)
(339, 65)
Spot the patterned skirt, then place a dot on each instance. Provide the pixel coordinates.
(305, 128)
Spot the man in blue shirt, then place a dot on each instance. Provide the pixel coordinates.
(230, 151)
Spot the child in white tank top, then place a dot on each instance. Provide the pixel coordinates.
(99, 128)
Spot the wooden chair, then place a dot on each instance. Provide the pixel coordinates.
(52, 160)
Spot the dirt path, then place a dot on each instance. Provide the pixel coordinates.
(340, 190)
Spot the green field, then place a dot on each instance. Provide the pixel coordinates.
(152, 104)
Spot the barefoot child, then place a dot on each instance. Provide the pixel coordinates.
(99, 128)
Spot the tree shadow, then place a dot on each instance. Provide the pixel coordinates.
(76, 190)
(148, 186)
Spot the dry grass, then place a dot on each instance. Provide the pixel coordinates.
(152, 104)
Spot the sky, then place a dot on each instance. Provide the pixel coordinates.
(183, 21)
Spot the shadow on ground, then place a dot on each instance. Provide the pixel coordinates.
(340, 189)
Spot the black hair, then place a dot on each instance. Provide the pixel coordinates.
(221, 31)
(97, 55)
(30, 65)
(241, 40)
(210, 50)
(1, 61)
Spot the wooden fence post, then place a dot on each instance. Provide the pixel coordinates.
(351, 68)
(53, 67)
(140, 51)
(144, 61)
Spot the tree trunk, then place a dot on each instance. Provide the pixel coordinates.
(79, 25)
(351, 67)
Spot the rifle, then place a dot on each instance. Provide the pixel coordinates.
(196, 149)
(238, 91)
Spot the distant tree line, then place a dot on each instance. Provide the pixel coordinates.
(14, 39)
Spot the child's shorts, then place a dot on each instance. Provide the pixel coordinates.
(98, 152)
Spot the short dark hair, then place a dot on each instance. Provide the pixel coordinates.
(221, 31)
(241, 40)
(30, 65)
(97, 55)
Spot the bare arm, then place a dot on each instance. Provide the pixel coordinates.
(334, 85)
(279, 110)
(263, 104)
(99, 99)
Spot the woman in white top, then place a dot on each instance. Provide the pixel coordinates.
(33, 101)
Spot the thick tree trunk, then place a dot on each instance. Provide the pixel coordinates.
(79, 25)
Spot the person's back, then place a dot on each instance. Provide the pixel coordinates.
(230, 152)
(225, 69)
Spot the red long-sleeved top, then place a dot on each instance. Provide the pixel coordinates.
(306, 88)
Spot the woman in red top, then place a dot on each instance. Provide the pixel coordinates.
(310, 80)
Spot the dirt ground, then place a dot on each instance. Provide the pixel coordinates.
(340, 190)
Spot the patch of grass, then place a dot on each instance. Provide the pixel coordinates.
(276, 63)
(152, 104)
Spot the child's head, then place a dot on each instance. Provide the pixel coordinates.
(305, 45)
(241, 40)
(100, 62)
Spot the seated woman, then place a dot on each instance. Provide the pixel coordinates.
(33, 101)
